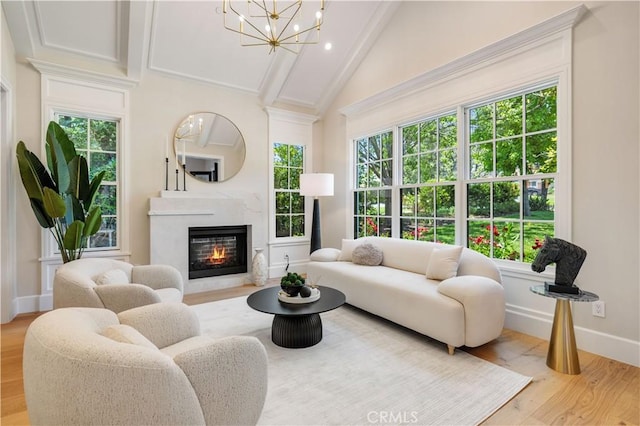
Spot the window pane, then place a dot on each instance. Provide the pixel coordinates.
(479, 236)
(410, 139)
(295, 156)
(534, 233)
(446, 231)
(103, 135)
(540, 204)
(283, 227)
(506, 200)
(281, 178)
(506, 238)
(360, 228)
(107, 236)
(428, 167)
(541, 153)
(387, 145)
(445, 201)
(106, 199)
(387, 172)
(509, 117)
(374, 148)
(408, 229)
(76, 129)
(280, 154)
(372, 202)
(410, 170)
(408, 201)
(103, 161)
(425, 201)
(360, 202)
(384, 227)
(481, 160)
(282, 202)
(447, 165)
(294, 178)
(384, 200)
(297, 203)
(374, 175)
(542, 110)
(362, 147)
(428, 136)
(481, 123)
(371, 226)
(361, 179)
(479, 200)
(509, 157)
(448, 131)
(297, 225)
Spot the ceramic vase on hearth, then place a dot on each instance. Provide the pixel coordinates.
(259, 268)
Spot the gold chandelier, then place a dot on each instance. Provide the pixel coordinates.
(274, 24)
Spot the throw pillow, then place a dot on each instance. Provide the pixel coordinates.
(126, 334)
(443, 263)
(367, 254)
(325, 255)
(347, 249)
(113, 276)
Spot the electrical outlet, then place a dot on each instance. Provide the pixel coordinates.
(597, 308)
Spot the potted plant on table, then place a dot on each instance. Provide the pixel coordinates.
(293, 284)
(62, 198)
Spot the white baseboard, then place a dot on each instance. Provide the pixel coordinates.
(538, 324)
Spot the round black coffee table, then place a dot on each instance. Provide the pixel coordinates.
(295, 325)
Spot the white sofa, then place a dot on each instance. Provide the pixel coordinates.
(148, 365)
(467, 309)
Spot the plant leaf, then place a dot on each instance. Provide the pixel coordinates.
(60, 151)
(53, 203)
(93, 189)
(32, 172)
(93, 222)
(79, 175)
(73, 236)
(41, 215)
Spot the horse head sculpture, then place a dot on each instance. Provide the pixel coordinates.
(568, 258)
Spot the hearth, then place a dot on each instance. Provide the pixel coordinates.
(217, 250)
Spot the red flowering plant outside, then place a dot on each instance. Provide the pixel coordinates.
(506, 242)
(371, 228)
(421, 233)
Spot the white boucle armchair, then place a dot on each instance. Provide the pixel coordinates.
(144, 366)
(114, 284)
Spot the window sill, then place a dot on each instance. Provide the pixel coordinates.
(523, 271)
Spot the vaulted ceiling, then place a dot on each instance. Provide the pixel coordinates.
(188, 40)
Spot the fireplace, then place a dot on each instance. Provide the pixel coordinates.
(217, 250)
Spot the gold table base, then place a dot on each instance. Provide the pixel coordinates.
(563, 353)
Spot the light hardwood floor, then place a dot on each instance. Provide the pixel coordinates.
(605, 393)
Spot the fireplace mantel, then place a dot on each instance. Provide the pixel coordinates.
(173, 212)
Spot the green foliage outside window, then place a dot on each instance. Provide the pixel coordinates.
(288, 165)
(97, 140)
(513, 157)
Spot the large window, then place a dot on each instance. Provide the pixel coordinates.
(506, 203)
(512, 167)
(97, 140)
(429, 171)
(288, 164)
(374, 177)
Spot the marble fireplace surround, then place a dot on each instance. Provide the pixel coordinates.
(173, 212)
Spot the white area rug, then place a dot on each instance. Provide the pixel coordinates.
(366, 371)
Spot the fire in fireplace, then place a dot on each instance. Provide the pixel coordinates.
(217, 250)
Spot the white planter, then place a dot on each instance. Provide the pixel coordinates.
(259, 268)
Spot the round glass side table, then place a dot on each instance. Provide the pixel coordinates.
(563, 353)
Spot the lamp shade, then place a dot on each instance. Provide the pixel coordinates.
(316, 184)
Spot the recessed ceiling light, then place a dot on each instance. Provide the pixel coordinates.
(327, 46)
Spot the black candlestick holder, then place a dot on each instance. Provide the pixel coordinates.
(166, 173)
(184, 177)
(177, 189)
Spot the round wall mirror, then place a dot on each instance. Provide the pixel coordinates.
(210, 146)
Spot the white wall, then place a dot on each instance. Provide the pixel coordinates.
(605, 163)
(7, 175)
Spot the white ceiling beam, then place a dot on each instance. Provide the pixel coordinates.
(276, 76)
(137, 38)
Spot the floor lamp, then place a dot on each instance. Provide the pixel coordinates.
(316, 185)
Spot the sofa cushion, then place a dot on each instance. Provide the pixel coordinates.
(126, 334)
(112, 276)
(325, 255)
(367, 254)
(443, 263)
(346, 252)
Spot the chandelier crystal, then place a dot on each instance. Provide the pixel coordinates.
(273, 23)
